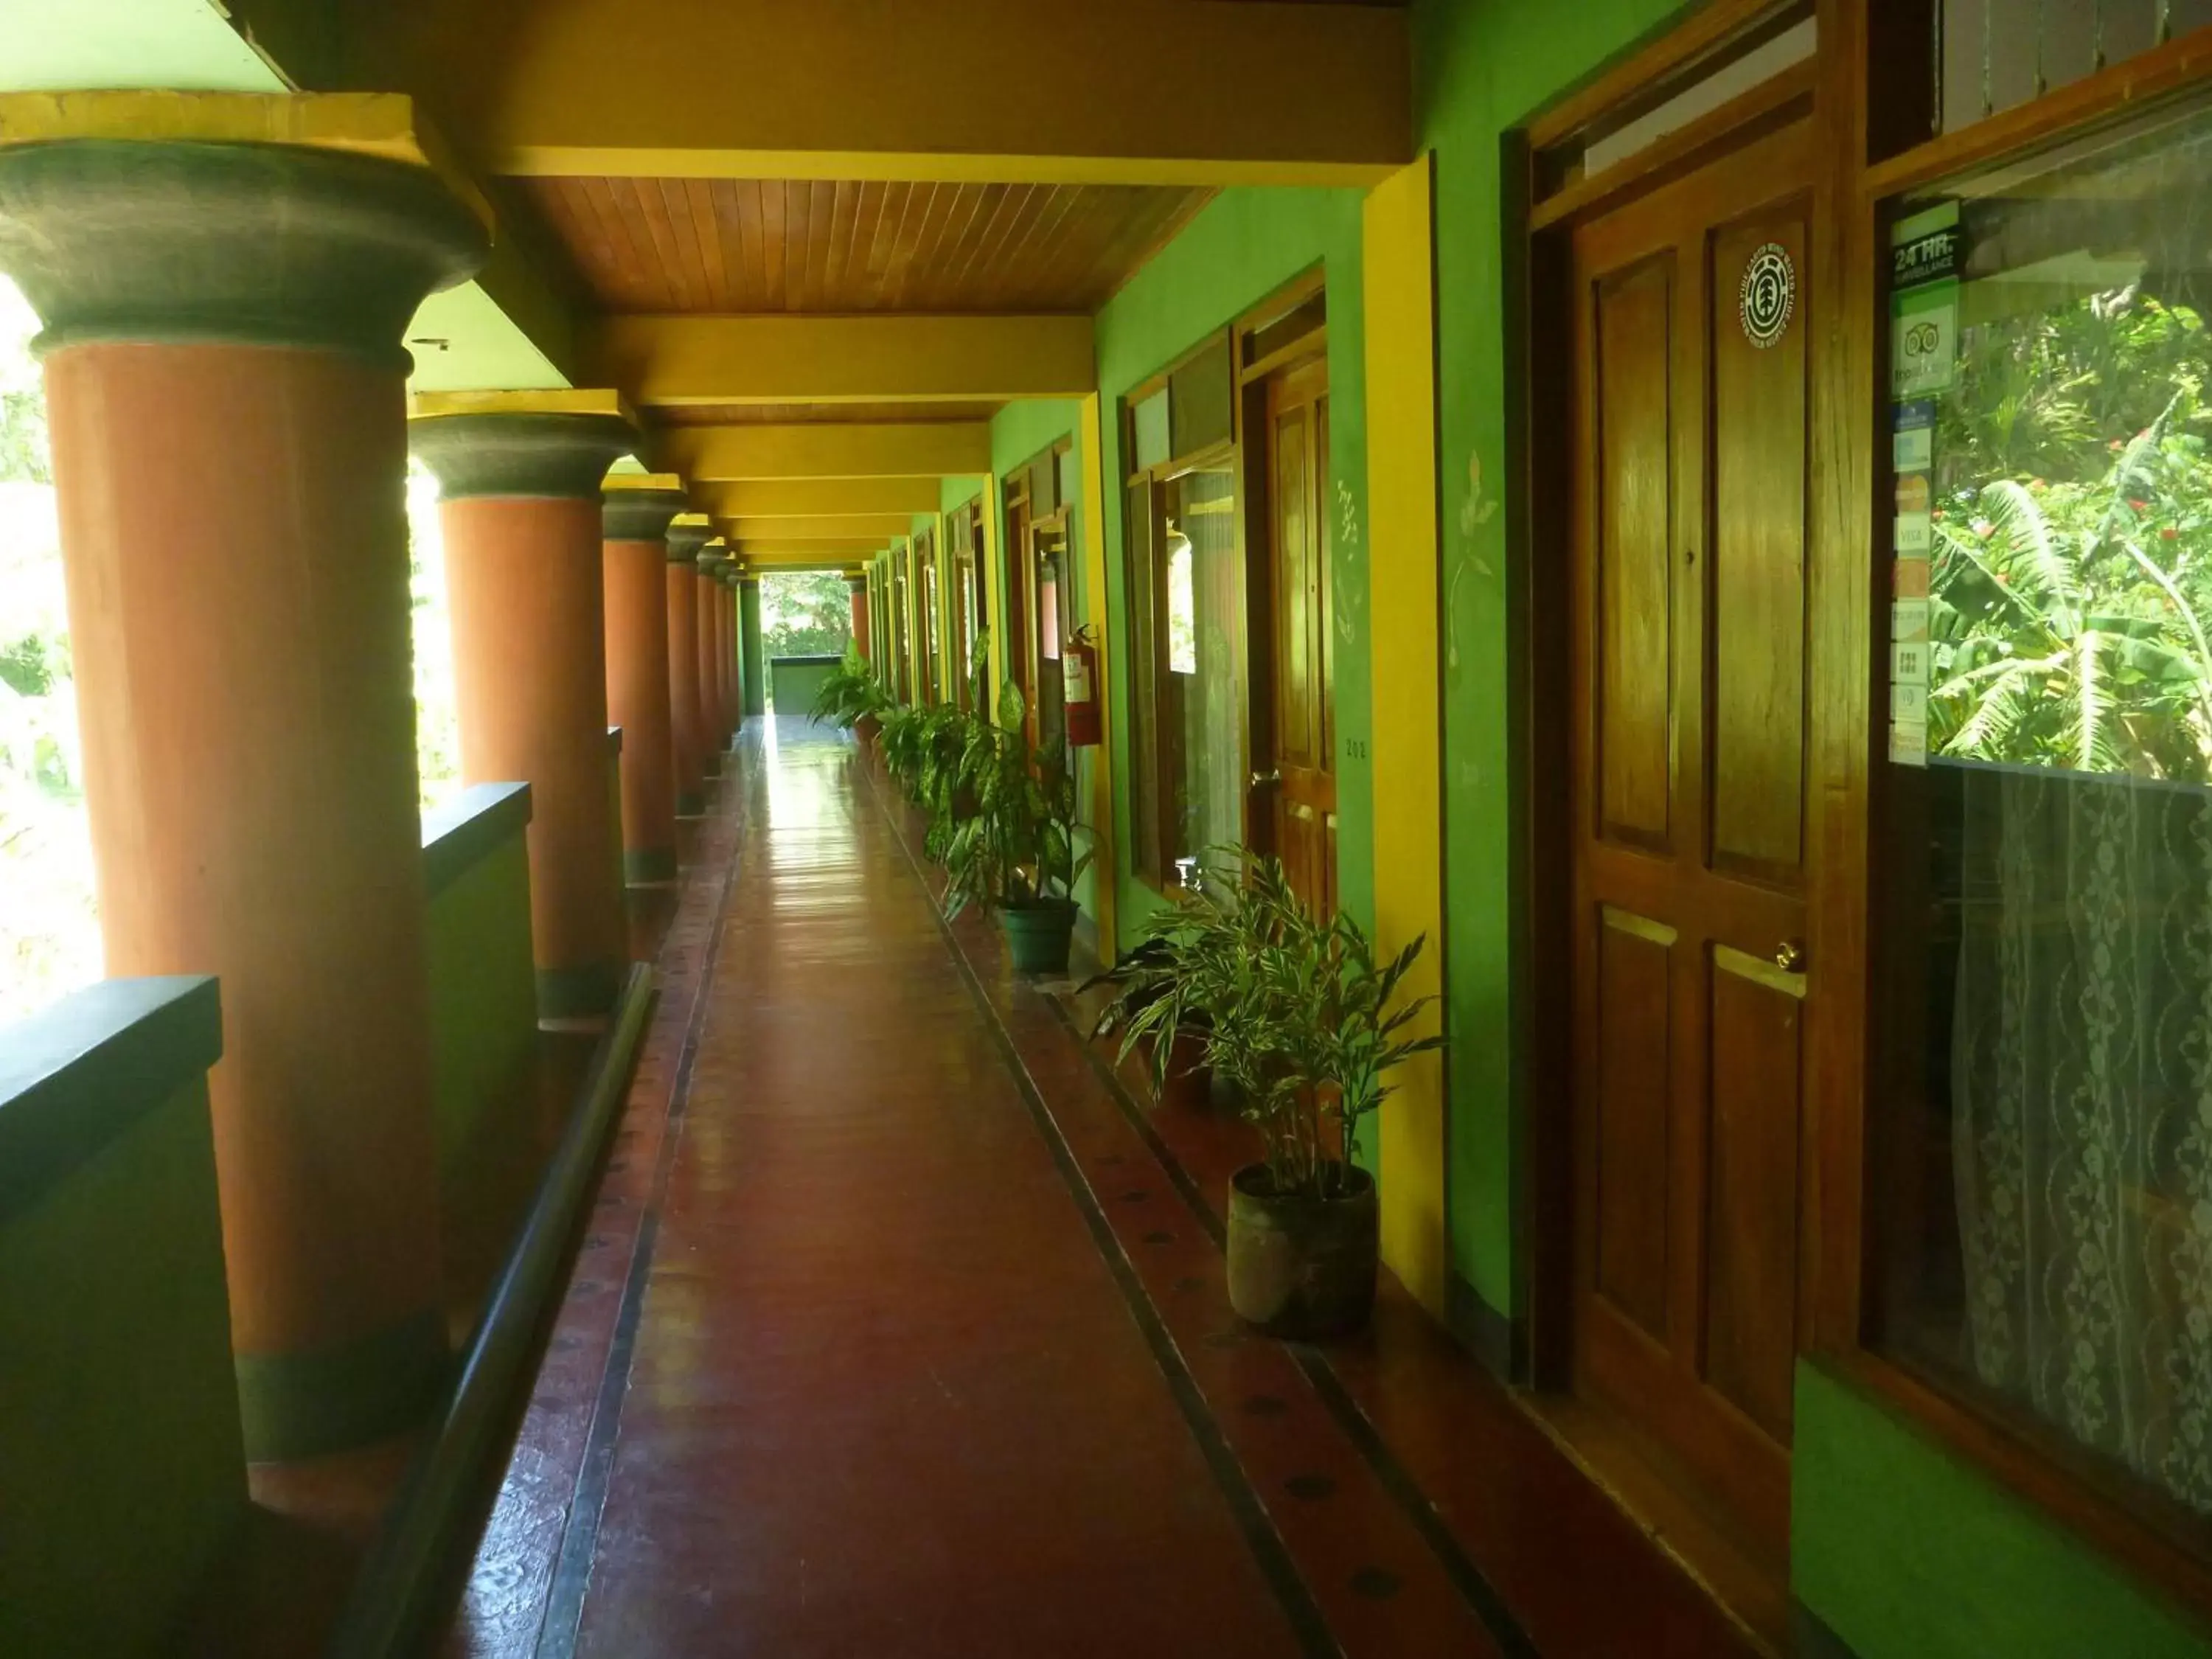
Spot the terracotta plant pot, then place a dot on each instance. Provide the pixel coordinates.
(1038, 935)
(864, 733)
(1303, 1267)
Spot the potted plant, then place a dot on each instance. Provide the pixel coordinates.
(1152, 1010)
(1306, 1025)
(851, 696)
(1012, 845)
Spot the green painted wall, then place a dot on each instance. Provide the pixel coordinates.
(123, 1468)
(1907, 1553)
(483, 999)
(1018, 432)
(1478, 70)
(1242, 246)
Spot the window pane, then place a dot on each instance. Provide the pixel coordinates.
(2041, 1188)
(1201, 698)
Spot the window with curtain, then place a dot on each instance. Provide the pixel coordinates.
(2039, 1192)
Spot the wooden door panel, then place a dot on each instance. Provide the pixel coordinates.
(1756, 1069)
(1756, 573)
(1635, 559)
(1632, 1030)
(1300, 768)
(1686, 805)
(1294, 665)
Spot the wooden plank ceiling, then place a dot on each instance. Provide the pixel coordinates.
(715, 245)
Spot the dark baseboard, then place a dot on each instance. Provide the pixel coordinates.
(1499, 1342)
(1811, 1638)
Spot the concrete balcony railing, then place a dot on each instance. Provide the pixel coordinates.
(125, 1478)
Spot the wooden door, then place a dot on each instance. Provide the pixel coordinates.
(1688, 784)
(1016, 646)
(1294, 790)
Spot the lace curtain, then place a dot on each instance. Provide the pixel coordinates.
(2082, 1091)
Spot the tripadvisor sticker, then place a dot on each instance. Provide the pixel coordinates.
(1927, 253)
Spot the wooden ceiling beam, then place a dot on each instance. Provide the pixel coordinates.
(661, 360)
(742, 454)
(1078, 94)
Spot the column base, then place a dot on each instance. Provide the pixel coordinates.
(295, 1406)
(650, 864)
(578, 992)
(712, 768)
(690, 803)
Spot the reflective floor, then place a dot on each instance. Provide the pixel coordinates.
(898, 1329)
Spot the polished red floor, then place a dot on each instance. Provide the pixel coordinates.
(899, 1329)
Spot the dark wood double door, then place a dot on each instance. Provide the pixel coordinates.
(1688, 739)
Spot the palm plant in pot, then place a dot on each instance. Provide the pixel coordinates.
(1154, 1010)
(852, 695)
(1307, 1025)
(1012, 847)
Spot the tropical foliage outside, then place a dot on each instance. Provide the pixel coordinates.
(2072, 573)
(804, 613)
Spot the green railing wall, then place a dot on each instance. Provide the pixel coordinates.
(122, 1470)
(793, 683)
(483, 996)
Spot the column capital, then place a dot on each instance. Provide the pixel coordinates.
(177, 239)
(639, 506)
(713, 554)
(540, 445)
(687, 533)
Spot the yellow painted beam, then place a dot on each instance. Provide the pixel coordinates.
(1402, 589)
(809, 498)
(921, 449)
(1078, 94)
(891, 357)
(826, 547)
(1091, 435)
(563, 400)
(874, 527)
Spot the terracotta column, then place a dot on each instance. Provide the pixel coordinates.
(756, 666)
(520, 508)
(226, 394)
(713, 683)
(859, 587)
(686, 536)
(635, 518)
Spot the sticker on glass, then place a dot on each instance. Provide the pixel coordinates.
(1768, 295)
(1908, 743)
(1908, 662)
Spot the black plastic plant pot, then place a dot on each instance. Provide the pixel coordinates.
(1038, 934)
(1300, 1267)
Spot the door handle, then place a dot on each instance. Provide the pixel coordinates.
(1789, 956)
(1261, 779)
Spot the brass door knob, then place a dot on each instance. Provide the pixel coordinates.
(1789, 956)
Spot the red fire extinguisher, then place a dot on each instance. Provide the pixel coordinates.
(1079, 669)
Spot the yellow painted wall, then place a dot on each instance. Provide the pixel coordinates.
(1098, 810)
(1399, 268)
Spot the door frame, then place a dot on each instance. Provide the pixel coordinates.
(1539, 528)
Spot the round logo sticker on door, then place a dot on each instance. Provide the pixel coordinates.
(1768, 295)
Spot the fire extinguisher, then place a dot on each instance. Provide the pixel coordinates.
(1079, 669)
